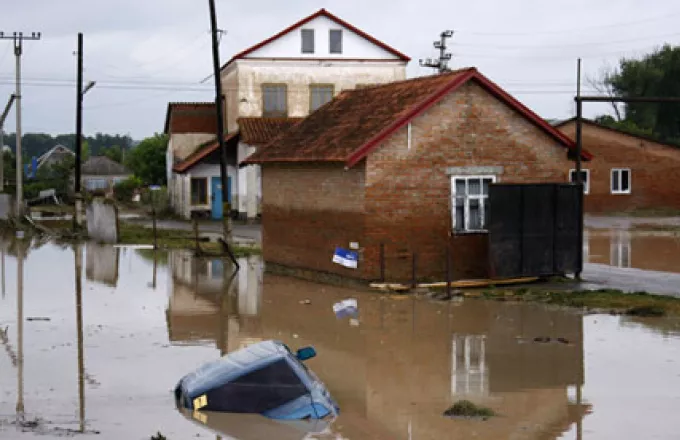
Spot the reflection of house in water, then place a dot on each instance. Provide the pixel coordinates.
(198, 297)
(619, 249)
(636, 248)
(101, 264)
(409, 359)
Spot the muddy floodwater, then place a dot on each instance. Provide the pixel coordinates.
(96, 353)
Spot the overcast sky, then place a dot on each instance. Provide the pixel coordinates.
(144, 53)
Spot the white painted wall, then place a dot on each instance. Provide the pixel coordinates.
(181, 197)
(249, 184)
(353, 45)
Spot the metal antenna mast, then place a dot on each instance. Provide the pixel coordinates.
(441, 64)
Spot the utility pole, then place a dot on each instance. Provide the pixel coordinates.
(18, 39)
(80, 92)
(579, 177)
(2, 141)
(79, 133)
(226, 219)
(441, 64)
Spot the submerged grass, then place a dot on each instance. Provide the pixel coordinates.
(465, 408)
(166, 238)
(608, 300)
(174, 239)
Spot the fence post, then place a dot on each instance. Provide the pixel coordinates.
(448, 270)
(414, 282)
(155, 230)
(198, 248)
(382, 262)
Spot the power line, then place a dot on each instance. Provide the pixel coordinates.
(559, 46)
(572, 30)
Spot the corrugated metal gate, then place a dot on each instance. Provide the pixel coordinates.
(534, 229)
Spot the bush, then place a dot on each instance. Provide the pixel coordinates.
(123, 191)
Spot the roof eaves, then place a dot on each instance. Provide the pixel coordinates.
(196, 157)
(527, 113)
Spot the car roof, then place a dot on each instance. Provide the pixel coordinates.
(233, 365)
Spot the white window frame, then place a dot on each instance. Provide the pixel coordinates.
(611, 180)
(586, 184)
(466, 206)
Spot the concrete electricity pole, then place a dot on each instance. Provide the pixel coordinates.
(18, 39)
(441, 64)
(2, 141)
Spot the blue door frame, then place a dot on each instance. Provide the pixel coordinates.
(216, 189)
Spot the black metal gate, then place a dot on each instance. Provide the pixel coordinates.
(534, 229)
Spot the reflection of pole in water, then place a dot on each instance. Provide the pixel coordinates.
(20, 330)
(579, 420)
(79, 322)
(155, 268)
(3, 273)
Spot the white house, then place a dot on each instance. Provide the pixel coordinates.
(273, 84)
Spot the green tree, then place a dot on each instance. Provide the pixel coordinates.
(654, 75)
(147, 160)
(113, 152)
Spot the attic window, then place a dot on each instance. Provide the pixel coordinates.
(307, 40)
(335, 40)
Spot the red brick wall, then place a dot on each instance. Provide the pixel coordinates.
(308, 210)
(655, 171)
(408, 190)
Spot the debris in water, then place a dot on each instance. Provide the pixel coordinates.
(563, 340)
(465, 408)
(347, 307)
(158, 436)
(306, 301)
(38, 318)
(542, 339)
(646, 311)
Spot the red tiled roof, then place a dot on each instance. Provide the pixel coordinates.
(348, 128)
(319, 13)
(190, 117)
(201, 152)
(261, 131)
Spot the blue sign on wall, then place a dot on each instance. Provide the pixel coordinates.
(346, 258)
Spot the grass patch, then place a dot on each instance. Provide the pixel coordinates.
(465, 408)
(174, 239)
(611, 300)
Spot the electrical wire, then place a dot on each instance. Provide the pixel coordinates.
(567, 45)
(573, 30)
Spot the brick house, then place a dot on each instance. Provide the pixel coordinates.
(406, 165)
(631, 172)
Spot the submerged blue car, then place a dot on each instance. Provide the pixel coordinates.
(263, 378)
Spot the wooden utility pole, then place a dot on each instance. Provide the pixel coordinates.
(18, 38)
(226, 219)
(441, 64)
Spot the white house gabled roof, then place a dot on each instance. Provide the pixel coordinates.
(260, 50)
(59, 149)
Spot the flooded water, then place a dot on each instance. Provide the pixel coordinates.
(102, 363)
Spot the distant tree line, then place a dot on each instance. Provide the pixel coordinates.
(35, 144)
(655, 75)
